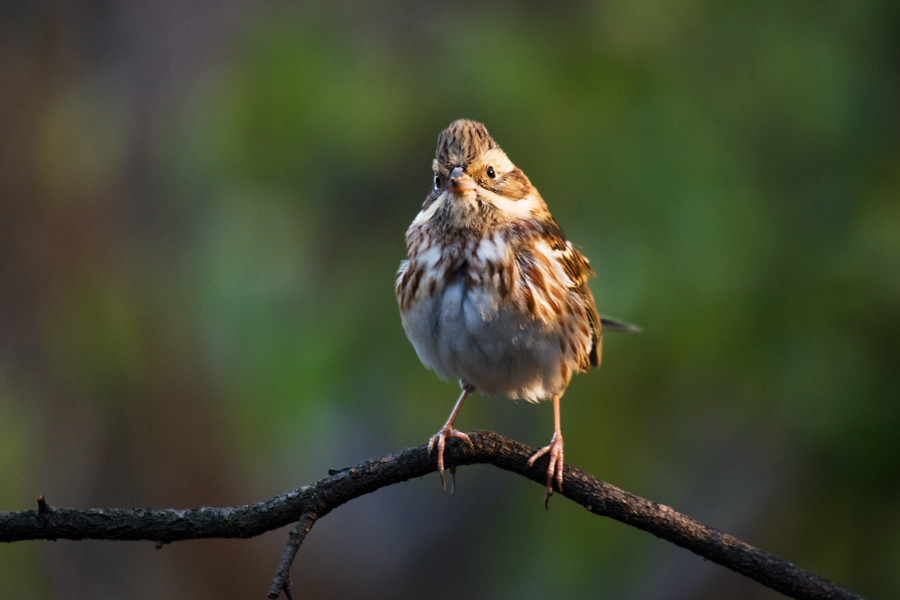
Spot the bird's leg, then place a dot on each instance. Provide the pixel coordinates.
(555, 470)
(446, 431)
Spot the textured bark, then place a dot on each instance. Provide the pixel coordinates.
(309, 503)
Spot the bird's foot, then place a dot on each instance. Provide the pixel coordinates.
(438, 441)
(555, 469)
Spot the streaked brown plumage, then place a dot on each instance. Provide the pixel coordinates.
(491, 292)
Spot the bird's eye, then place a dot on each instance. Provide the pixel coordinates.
(437, 181)
(491, 173)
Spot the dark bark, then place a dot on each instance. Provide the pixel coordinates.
(306, 504)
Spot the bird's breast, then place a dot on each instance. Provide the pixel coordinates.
(465, 315)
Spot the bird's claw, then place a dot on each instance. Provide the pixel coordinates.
(555, 468)
(439, 440)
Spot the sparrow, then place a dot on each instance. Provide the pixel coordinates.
(492, 292)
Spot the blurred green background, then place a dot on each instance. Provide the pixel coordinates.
(202, 208)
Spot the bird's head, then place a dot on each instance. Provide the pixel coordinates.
(475, 185)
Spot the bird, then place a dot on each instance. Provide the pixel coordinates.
(491, 291)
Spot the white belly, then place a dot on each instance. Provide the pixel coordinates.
(464, 333)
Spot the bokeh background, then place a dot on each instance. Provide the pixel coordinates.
(202, 208)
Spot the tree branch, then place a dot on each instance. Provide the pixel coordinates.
(296, 537)
(306, 504)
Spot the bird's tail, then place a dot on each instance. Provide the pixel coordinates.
(613, 325)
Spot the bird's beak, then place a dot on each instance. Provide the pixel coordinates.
(460, 181)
